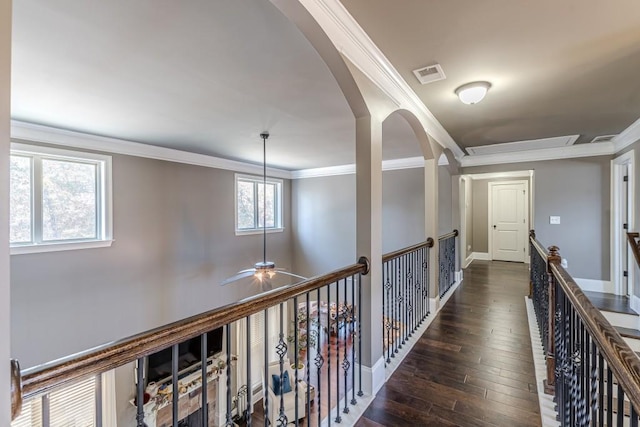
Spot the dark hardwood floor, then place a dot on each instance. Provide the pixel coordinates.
(473, 366)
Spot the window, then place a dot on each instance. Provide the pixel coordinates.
(70, 406)
(74, 405)
(250, 204)
(59, 199)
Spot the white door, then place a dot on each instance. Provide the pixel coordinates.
(508, 221)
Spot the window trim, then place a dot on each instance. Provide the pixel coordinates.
(104, 222)
(279, 204)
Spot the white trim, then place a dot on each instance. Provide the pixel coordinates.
(548, 412)
(450, 292)
(49, 135)
(593, 285)
(373, 378)
(500, 175)
(354, 43)
(573, 151)
(524, 145)
(618, 240)
(483, 256)
(468, 260)
(525, 232)
(622, 320)
(634, 303)
(58, 247)
(387, 165)
(627, 137)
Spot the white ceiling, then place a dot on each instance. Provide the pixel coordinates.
(200, 76)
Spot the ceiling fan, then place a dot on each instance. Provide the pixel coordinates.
(265, 270)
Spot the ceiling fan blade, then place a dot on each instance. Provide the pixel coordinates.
(240, 275)
(283, 271)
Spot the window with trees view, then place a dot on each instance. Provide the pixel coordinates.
(58, 197)
(250, 204)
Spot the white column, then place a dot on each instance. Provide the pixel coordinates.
(431, 228)
(5, 113)
(369, 244)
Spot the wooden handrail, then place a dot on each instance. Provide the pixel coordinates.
(619, 356)
(44, 378)
(396, 254)
(16, 390)
(634, 241)
(454, 233)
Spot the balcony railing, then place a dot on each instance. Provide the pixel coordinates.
(324, 334)
(593, 373)
(405, 295)
(447, 261)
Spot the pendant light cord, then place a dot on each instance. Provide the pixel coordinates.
(264, 196)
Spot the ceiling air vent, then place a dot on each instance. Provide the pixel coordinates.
(429, 74)
(603, 138)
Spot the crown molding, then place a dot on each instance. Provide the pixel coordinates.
(354, 43)
(627, 137)
(387, 165)
(573, 151)
(500, 175)
(48, 135)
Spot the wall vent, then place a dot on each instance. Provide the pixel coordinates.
(429, 74)
(603, 138)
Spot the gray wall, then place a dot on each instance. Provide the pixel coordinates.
(445, 201)
(578, 191)
(324, 218)
(174, 243)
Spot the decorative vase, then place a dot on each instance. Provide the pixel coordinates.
(300, 369)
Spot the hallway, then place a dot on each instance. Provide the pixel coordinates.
(473, 366)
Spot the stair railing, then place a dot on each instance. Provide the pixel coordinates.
(405, 295)
(592, 371)
(332, 379)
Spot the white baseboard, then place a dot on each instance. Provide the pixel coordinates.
(595, 285)
(635, 304)
(548, 413)
(450, 292)
(467, 261)
(373, 378)
(484, 256)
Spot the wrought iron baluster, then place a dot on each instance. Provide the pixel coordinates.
(265, 384)
(296, 350)
(281, 349)
(609, 396)
(249, 380)
(345, 361)
(319, 361)
(620, 414)
(601, 390)
(174, 377)
(140, 393)
(338, 315)
(227, 330)
(203, 373)
(329, 355)
(355, 318)
(308, 354)
(360, 392)
(634, 417)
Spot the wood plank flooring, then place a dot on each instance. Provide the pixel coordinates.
(473, 366)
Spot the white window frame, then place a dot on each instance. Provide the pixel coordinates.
(104, 226)
(278, 204)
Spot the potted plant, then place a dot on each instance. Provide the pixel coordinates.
(307, 335)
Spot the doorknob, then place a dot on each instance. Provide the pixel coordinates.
(494, 227)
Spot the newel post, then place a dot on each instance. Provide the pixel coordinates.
(552, 258)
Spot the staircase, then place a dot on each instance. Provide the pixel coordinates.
(616, 309)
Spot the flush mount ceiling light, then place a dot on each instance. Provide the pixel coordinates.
(472, 93)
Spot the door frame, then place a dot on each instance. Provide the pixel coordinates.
(525, 240)
(618, 166)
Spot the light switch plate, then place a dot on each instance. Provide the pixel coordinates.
(554, 220)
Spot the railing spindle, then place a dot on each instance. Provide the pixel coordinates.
(249, 379)
(175, 353)
(140, 393)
